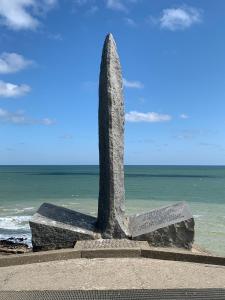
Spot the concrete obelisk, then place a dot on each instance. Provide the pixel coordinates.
(111, 220)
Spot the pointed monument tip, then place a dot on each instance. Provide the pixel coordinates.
(110, 37)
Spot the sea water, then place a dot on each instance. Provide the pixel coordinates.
(24, 188)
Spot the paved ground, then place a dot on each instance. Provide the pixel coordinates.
(111, 273)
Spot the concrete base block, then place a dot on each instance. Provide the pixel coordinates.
(180, 235)
(55, 227)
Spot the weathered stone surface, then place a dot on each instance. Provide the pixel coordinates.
(180, 235)
(140, 224)
(111, 220)
(55, 227)
(167, 226)
(110, 244)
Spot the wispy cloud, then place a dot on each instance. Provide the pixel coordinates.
(89, 85)
(212, 145)
(66, 136)
(120, 5)
(116, 5)
(132, 84)
(23, 14)
(130, 22)
(151, 117)
(190, 134)
(92, 10)
(183, 116)
(20, 118)
(185, 135)
(180, 18)
(13, 62)
(89, 5)
(55, 36)
(8, 90)
(44, 121)
(80, 2)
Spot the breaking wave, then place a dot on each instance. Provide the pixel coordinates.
(14, 223)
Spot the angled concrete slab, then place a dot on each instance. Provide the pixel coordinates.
(55, 227)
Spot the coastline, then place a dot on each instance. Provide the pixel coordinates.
(147, 187)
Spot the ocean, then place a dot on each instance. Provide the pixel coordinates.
(24, 188)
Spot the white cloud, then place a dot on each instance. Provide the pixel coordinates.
(120, 5)
(150, 117)
(180, 18)
(116, 5)
(184, 116)
(130, 22)
(80, 2)
(13, 62)
(12, 90)
(47, 121)
(19, 117)
(23, 14)
(132, 84)
(15, 118)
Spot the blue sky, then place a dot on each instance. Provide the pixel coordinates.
(173, 61)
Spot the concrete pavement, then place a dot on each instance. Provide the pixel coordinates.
(111, 273)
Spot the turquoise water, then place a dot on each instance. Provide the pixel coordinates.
(24, 188)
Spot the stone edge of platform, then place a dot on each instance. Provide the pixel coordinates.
(73, 253)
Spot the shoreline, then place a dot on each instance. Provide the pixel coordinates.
(14, 246)
(67, 187)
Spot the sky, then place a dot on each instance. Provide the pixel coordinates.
(173, 64)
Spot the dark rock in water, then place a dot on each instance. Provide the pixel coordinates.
(180, 235)
(17, 239)
(111, 219)
(55, 227)
(10, 247)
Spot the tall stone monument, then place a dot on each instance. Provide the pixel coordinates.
(111, 212)
(56, 227)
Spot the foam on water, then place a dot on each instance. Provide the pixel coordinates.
(14, 222)
(16, 210)
(29, 208)
(197, 216)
